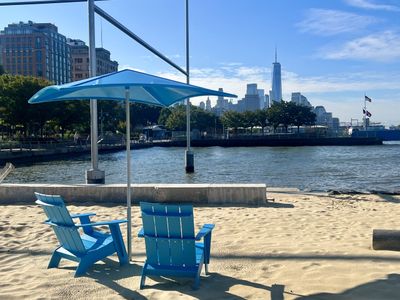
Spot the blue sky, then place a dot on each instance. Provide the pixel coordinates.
(333, 52)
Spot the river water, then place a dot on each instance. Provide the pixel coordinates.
(340, 168)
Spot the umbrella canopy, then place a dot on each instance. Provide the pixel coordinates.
(143, 88)
(130, 86)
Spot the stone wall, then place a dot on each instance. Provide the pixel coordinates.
(235, 194)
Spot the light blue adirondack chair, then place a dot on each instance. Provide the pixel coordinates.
(85, 248)
(171, 247)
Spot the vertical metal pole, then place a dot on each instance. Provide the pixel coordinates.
(128, 172)
(189, 161)
(94, 175)
(365, 113)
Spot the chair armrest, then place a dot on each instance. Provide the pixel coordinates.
(141, 233)
(82, 215)
(102, 223)
(207, 228)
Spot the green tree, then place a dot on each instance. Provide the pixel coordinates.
(302, 115)
(199, 118)
(177, 118)
(260, 118)
(2, 71)
(274, 115)
(202, 120)
(164, 114)
(72, 116)
(232, 119)
(143, 115)
(14, 94)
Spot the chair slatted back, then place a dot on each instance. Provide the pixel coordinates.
(169, 234)
(64, 228)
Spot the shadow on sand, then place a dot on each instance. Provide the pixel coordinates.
(387, 289)
(212, 286)
(390, 198)
(216, 286)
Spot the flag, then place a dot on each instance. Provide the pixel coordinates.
(367, 113)
(368, 98)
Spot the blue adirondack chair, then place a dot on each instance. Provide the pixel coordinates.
(171, 247)
(86, 248)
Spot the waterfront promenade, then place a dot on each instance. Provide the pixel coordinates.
(302, 246)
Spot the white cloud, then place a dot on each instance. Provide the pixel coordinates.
(383, 46)
(330, 22)
(366, 4)
(339, 93)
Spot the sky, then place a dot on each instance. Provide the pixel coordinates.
(333, 52)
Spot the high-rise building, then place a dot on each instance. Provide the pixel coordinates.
(299, 99)
(208, 104)
(276, 92)
(202, 105)
(251, 100)
(35, 49)
(80, 60)
(261, 95)
(266, 103)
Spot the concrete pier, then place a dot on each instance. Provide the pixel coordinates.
(230, 194)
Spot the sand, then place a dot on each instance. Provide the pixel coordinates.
(302, 246)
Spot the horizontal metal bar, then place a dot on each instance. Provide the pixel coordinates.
(42, 2)
(125, 30)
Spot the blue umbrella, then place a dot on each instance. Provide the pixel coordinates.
(128, 86)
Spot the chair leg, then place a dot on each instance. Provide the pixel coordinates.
(206, 268)
(119, 244)
(55, 260)
(82, 267)
(143, 278)
(197, 278)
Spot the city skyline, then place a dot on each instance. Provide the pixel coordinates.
(333, 53)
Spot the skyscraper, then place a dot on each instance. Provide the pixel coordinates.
(276, 94)
(299, 99)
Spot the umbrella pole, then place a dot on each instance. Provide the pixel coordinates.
(128, 173)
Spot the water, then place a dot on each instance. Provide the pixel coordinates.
(355, 168)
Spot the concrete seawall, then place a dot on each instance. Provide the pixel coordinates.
(235, 194)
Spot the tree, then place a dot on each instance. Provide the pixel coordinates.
(260, 118)
(232, 119)
(202, 120)
(289, 113)
(199, 119)
(72, 115)
(14, 94)
(249, 120)
(177, 119)
(274, 114)
(143, 115)
(2, 71)
(303, 116)
(164, 114)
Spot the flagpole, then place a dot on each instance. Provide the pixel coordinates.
(365, 111)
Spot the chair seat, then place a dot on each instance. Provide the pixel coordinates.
(189, 271)
(92, 243)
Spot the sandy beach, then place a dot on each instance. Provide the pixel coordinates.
(301, 246)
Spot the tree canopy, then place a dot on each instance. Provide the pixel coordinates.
(289, 113)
